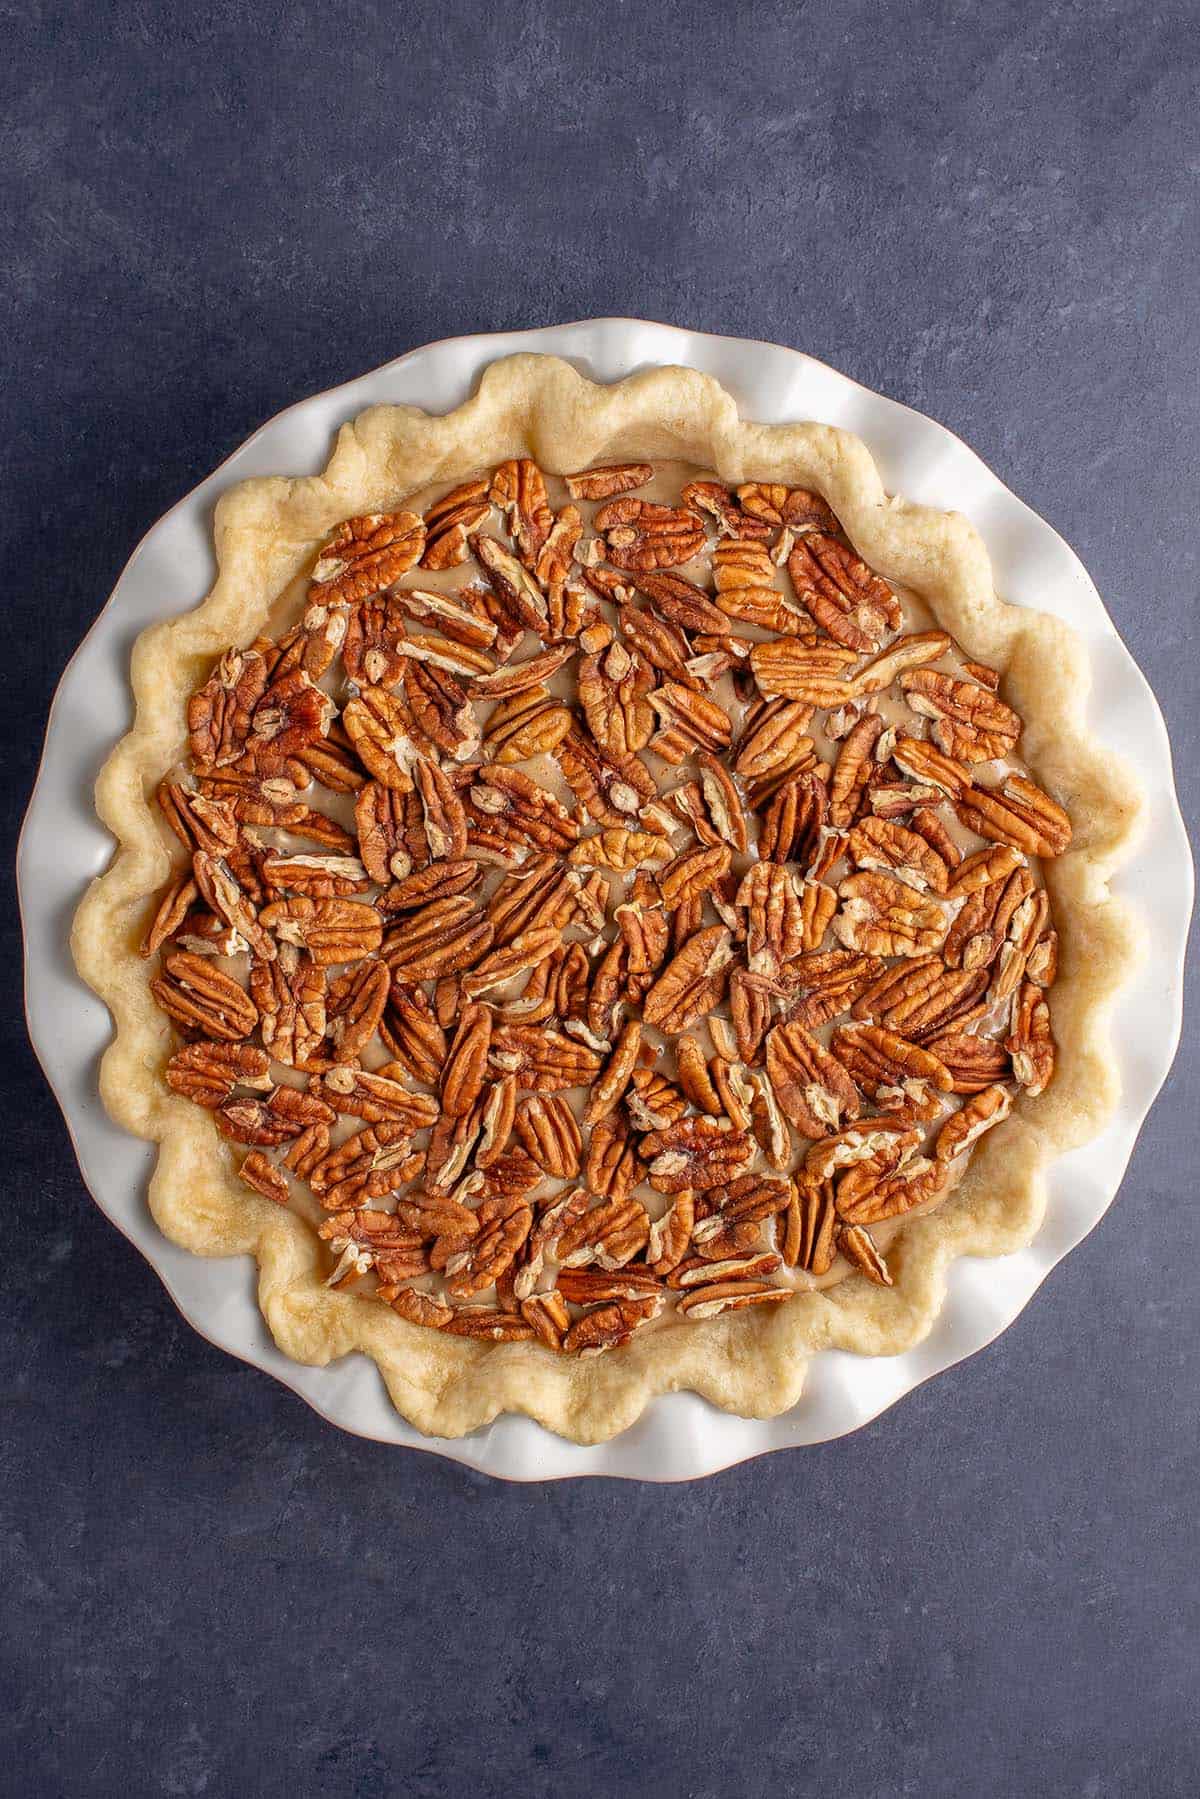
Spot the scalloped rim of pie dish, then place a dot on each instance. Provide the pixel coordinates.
(750, 1362)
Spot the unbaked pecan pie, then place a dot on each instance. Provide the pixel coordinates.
(603, 906)
(607, 896)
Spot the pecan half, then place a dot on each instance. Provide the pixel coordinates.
(613, 1165)
(793, 826)
(466, 1061)
(196, 996)
(371, 650)
(775, 924)
(415, 1307)
(692, 983)
(548, 1317)
(219, 714)
(550, 1134)
(528, 724)
(922, 998)
(690, 721)
(525, 951)
(319, 877)
(412, 1035)
(440, 707)
(519, 596)
(806, 1229)
(609, 480)
(355, 1006)
(270, 1122)
(207, 1073)
(853, 770)
(681, 602)
(881, 843)
(670, 1234)
(643, 536)
(544, 1061)
(450, 520)
(973, 1062)
(811, 1085)
(381, 816)
(881, 916)
(695, 1153)
(653, 1102)
(988, 1107)
(692, 874)
(985, 867)
(793, 508)
(380, 729)
(610, 786)
(828, 983)
(659, 643)
(330, 931)
(868, 1196)
(609, 1235)
(509, 813)
(198, 821)
(378, 1097)
(841, 594)
(620, 849)
(875, 1057)
(519, 489)
(613, 689)
(812, 673)
(909, 652)
(489, 1325)
(970, 722)
(443, 937)
(1030, 1041)
(290, 994)
(612, 1082)
(364, 555)
(462, 621)
(610, 1325)
(774, 745)
(925, 764)
(974, 939)
(729, 1296)
(744, 574)
(222, 893)
(368, 1165)
(262, 1176)
(1017, 813)
(504, 1222)
(715, 499)
(176, 901)
(858, 1246)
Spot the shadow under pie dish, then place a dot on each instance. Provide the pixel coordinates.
(603, 865)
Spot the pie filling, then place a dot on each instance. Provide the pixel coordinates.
(605, 899)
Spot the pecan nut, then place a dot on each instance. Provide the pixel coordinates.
(855, 606)
(812, 1086)
(644, 536)
(366, 554)
(330, 931)
(197, 996)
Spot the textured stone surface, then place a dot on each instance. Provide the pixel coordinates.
(208, 213)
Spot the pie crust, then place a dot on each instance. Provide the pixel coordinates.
(751, 1362)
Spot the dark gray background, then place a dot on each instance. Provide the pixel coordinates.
(210, 212)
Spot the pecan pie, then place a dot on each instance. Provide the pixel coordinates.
(595, 897)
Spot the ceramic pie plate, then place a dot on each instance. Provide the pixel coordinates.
(679, 1436)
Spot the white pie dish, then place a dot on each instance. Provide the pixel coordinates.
(64, 845)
